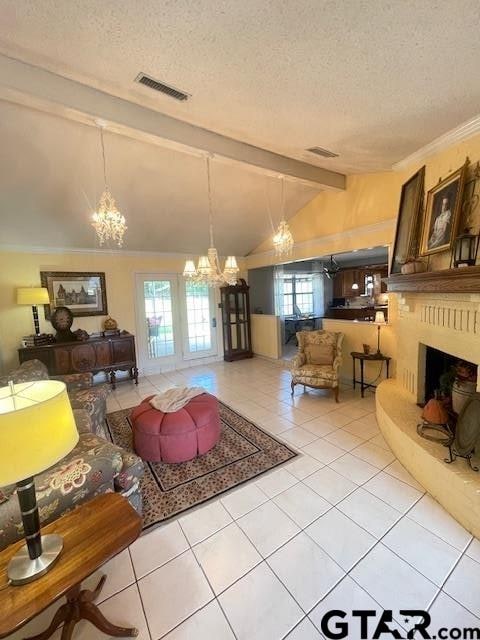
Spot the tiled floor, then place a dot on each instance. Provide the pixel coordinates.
(344, 526)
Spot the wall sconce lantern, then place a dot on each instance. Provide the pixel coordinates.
(465, 250)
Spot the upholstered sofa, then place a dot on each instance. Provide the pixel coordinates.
(318, 360)
(81, 391)
(93, 467)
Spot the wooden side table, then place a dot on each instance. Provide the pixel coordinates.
(370, 357)
(92, 534)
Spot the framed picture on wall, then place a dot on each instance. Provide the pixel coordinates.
(442, 213)
(84, 293)
(405, 246)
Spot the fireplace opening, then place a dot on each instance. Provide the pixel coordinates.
(447, 377)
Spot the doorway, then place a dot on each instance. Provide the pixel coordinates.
(176, 321)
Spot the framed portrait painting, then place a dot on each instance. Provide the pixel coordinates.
(405, 245)
(84, 293)
(442, 213)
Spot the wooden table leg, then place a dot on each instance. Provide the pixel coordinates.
(60, 616)
(91, 612)
(80, 606)
(362, 387)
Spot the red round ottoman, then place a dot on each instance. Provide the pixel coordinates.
(178, 436)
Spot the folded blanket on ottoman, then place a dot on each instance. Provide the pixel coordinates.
(175, 398)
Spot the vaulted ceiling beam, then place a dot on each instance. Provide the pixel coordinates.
(41, 89)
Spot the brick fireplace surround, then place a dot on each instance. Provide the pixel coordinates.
(449, 322)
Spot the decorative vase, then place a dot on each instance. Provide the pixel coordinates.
(109, 324)
(462, 390)
(413, 266)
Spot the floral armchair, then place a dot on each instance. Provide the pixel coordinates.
(318, 360)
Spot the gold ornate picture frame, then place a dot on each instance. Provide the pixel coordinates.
(442, 213)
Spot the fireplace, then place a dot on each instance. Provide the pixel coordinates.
(440, 371)
(446, 325)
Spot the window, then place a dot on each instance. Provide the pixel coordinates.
(297, 294)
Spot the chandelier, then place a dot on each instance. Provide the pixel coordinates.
(108, 222)
(283, 239)
(208, 270)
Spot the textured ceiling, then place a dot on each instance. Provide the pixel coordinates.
(51, 179)
(373, 80)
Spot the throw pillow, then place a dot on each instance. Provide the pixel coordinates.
(319, 354)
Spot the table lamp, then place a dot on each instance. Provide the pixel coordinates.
(33, 296)
(37, 429)
(379, 321)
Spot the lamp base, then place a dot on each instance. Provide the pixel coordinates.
(22, 569)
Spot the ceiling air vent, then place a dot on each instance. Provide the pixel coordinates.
(142, 78)
(324, 153)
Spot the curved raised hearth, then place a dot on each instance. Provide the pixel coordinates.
(455, 486)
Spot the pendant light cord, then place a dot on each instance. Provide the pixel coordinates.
(269, 210)
(210, 215)
(104, 161)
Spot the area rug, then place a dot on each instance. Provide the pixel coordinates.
(243, 452)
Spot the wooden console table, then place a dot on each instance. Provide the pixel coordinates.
(89, 540)
(109, 354)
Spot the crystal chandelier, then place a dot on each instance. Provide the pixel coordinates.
(108, 222)
(208, 270)
(283, 239)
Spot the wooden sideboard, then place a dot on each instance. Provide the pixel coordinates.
(108, 354)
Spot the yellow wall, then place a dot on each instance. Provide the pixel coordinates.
(23, 269)
(365, 213)
(356, 334)
(266, 336)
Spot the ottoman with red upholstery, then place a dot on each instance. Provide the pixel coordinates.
(178, 436)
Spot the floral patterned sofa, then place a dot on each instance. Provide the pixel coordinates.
(93, 467)
(318, 360)
(81, 391)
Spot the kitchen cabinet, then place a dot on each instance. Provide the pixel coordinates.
(343, 281)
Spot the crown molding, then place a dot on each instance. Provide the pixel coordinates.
(462, 132)
(39, 250)
(19, 248)
(328, 240)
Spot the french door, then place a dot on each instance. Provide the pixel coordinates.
(175, 321)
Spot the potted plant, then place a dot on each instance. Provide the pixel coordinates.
(464, 384)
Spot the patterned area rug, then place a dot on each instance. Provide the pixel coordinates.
(243, 452)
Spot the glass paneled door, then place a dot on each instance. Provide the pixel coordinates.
(175, 321)
(199, 322)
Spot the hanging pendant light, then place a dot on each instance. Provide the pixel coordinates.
(283, 239)
(107, 220)
(208, 270)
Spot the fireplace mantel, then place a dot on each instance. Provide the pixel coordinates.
(462, 280)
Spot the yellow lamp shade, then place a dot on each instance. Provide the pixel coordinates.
(37, 428)
(32, 295)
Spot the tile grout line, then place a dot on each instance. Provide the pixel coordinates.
(462, 553)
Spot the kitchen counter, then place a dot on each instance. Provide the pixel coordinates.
(355, 313)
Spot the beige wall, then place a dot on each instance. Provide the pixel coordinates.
(23, 269)
(266, 336)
